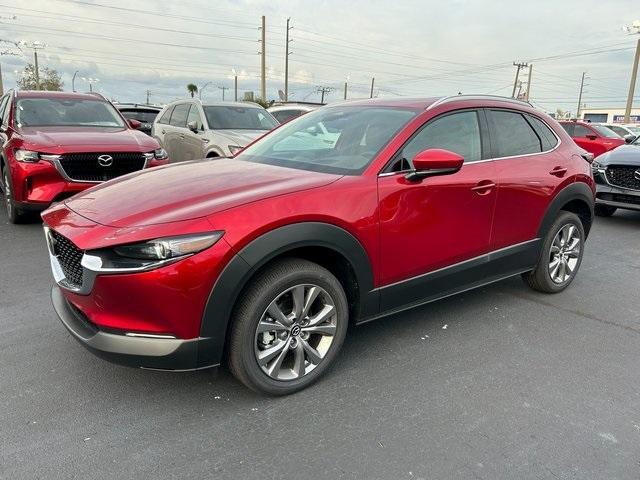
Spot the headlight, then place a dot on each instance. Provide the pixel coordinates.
(597, 167)
(234, 149)
(160, 154)
(168, 248)
(27, 156)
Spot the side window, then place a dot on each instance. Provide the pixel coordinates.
(549, 140)
(194, 116)
(569, 128)
(513, 135)
(581, 131)
(166, 116)
(3, 108)
(457, 132)
(179, 115)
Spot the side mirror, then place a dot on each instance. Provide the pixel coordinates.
(629, 138)
(193, 126)
(591, 136)
(135, 124)
(433, 162)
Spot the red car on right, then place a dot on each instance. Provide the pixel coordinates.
(596, 139)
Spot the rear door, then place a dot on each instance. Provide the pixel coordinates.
(588, 139)
(529, 170)
(175, 132)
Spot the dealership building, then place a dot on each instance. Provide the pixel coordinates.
(609, 115)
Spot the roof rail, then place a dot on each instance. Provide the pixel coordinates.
(498, 98)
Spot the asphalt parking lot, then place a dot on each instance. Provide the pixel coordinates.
(498, 383)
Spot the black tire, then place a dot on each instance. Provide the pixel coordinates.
(539, 278)
(13, 211)
(604, 210)
(253, 303)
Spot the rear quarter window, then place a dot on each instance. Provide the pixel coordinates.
(513, 135)
(547, 137)
(166, 116)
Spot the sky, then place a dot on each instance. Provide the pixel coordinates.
(410, 47)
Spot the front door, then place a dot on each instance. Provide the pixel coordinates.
(433, 230)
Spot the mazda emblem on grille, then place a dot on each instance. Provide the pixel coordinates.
(105, 160)
(636, 174)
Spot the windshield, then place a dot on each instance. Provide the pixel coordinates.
(47, 112)
(144, 116)
(238, 118)
(341, 140)
(605, 131)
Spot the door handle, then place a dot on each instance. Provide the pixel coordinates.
(163, 132)
(558, 171)
(483, 187)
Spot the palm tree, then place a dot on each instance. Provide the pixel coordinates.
(192, 89)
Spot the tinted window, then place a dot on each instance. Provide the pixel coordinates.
(458, 132)
(619, 130)
(179, 115)
(166, 116)
(342, 140)
(569, 128)
(285, 115)
(194, 116)
(144, 116)
(605, 132)
(581, 131)
(513, 135)
(239, 118)
(66, 112)
(547, 137)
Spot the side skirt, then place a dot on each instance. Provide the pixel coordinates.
(458, 278)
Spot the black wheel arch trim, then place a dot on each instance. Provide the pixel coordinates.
(574, 191)
(234, 277)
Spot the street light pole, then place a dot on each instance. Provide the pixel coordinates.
(73, 81)
(580, 96)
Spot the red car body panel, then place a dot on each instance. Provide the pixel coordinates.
(36, 185)
(597, 144)
(405, 229)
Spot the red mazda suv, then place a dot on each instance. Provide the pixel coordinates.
(55, 144)
(594, 138)
(343, 215)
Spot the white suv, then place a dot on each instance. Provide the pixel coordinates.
(190, 129)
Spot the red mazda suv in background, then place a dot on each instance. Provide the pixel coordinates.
(262, 261)
(55, 144)
(596, 139)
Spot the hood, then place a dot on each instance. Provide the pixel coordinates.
(622, 155)
(59, 140)
(241, 138)
(188, 190)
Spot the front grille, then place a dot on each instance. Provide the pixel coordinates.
(87, 167)
(620, 198)
(69, 257)
(624, 176)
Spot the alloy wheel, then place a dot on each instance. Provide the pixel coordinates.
(295, 332)
(564, 254)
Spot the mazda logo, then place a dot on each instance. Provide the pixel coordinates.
(636, 174)
(105, 160)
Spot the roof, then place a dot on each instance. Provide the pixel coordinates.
(431, 102)
(50, 94)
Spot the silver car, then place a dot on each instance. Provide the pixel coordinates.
(190, 129)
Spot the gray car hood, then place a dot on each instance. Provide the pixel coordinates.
(622, 155)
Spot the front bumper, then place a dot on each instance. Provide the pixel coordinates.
(153, 353)
(613, 196)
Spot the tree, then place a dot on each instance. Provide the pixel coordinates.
(49, 79)
(192, 88)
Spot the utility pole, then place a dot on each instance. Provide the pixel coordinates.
(529, 83)
(518, 65)
(235, 87)
(148, 93)
(73, 81)
(263, 62)
(322, 90)
(373, 81)
(223, 88)
(580, 96)
(345, 90)
(632, 85)
(286, 62)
